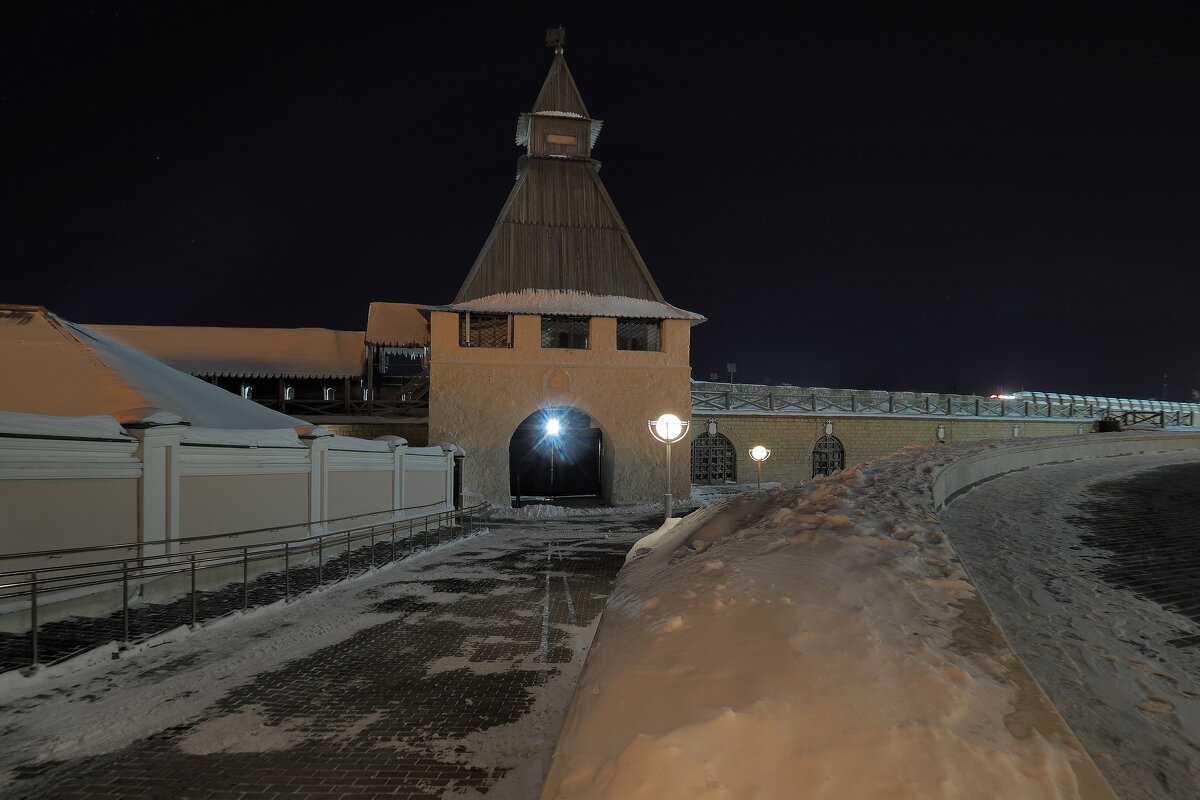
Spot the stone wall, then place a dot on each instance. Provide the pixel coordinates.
(791, 437)
(479, 395)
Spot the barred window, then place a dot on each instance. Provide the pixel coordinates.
(565, 332)
(484, 330)
(639, 334)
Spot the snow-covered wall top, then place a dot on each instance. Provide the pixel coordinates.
(91, 427)
(582, 304)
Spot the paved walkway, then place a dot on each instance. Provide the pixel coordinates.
(446, 675)
(1093, 569)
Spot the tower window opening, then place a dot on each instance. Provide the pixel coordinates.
(484, 330)
(565, 332)
(639, 334)
(559, 138)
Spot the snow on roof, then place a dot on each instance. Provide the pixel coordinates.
(570, 303)
(55, 367)
(397, 325)
(246, 352)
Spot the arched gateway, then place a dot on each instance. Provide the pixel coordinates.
(555, 452)
(828, 456)
(713, 459)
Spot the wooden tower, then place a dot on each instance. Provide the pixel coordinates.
(559, 319)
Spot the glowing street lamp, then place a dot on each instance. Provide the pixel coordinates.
(759, 454)
(668, 428)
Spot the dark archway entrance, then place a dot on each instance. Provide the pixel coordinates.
(713, 460)
(828, 456)
(555, 452)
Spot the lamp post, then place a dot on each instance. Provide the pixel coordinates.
(759, 454)
(668, 428)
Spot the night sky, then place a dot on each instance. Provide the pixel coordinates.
(903, 196)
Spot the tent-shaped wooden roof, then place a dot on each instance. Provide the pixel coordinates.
(559, 92)
(559, 229)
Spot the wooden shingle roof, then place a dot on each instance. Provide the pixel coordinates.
(559, 92)
(559, 229)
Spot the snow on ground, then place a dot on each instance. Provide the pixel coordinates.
(184, 681)
(80, 708)
(1103, 654)
(819, 641)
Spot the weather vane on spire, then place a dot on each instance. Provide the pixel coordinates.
(555, 38)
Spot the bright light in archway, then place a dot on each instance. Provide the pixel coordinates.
(553, 426)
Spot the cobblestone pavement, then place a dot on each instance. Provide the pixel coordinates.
(1093, 570)
(62, 639)
(446, 676)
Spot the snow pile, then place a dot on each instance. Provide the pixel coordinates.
(274, 437)
(816, 641)
(15, 423)
(351, 443)
(147, 415)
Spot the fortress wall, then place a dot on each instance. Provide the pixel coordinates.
(791, 437)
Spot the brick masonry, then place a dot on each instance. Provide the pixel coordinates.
(791, 437)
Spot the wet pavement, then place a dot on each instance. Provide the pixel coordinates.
(446, 676)
(1150, 522)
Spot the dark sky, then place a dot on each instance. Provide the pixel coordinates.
(963, 198)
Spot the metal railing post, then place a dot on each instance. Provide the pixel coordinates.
(193, 560)
(347, 555)
(33, 620)
(393, 541)
(372, 547)
(245, 578)
(287, 575)
(320, 561)
(125, 601)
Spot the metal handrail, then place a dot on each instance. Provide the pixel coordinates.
(120, 572)
(184, 540)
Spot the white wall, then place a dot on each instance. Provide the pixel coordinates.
(65, 492)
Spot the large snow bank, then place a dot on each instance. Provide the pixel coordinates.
(15, 423)
(820, 641)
